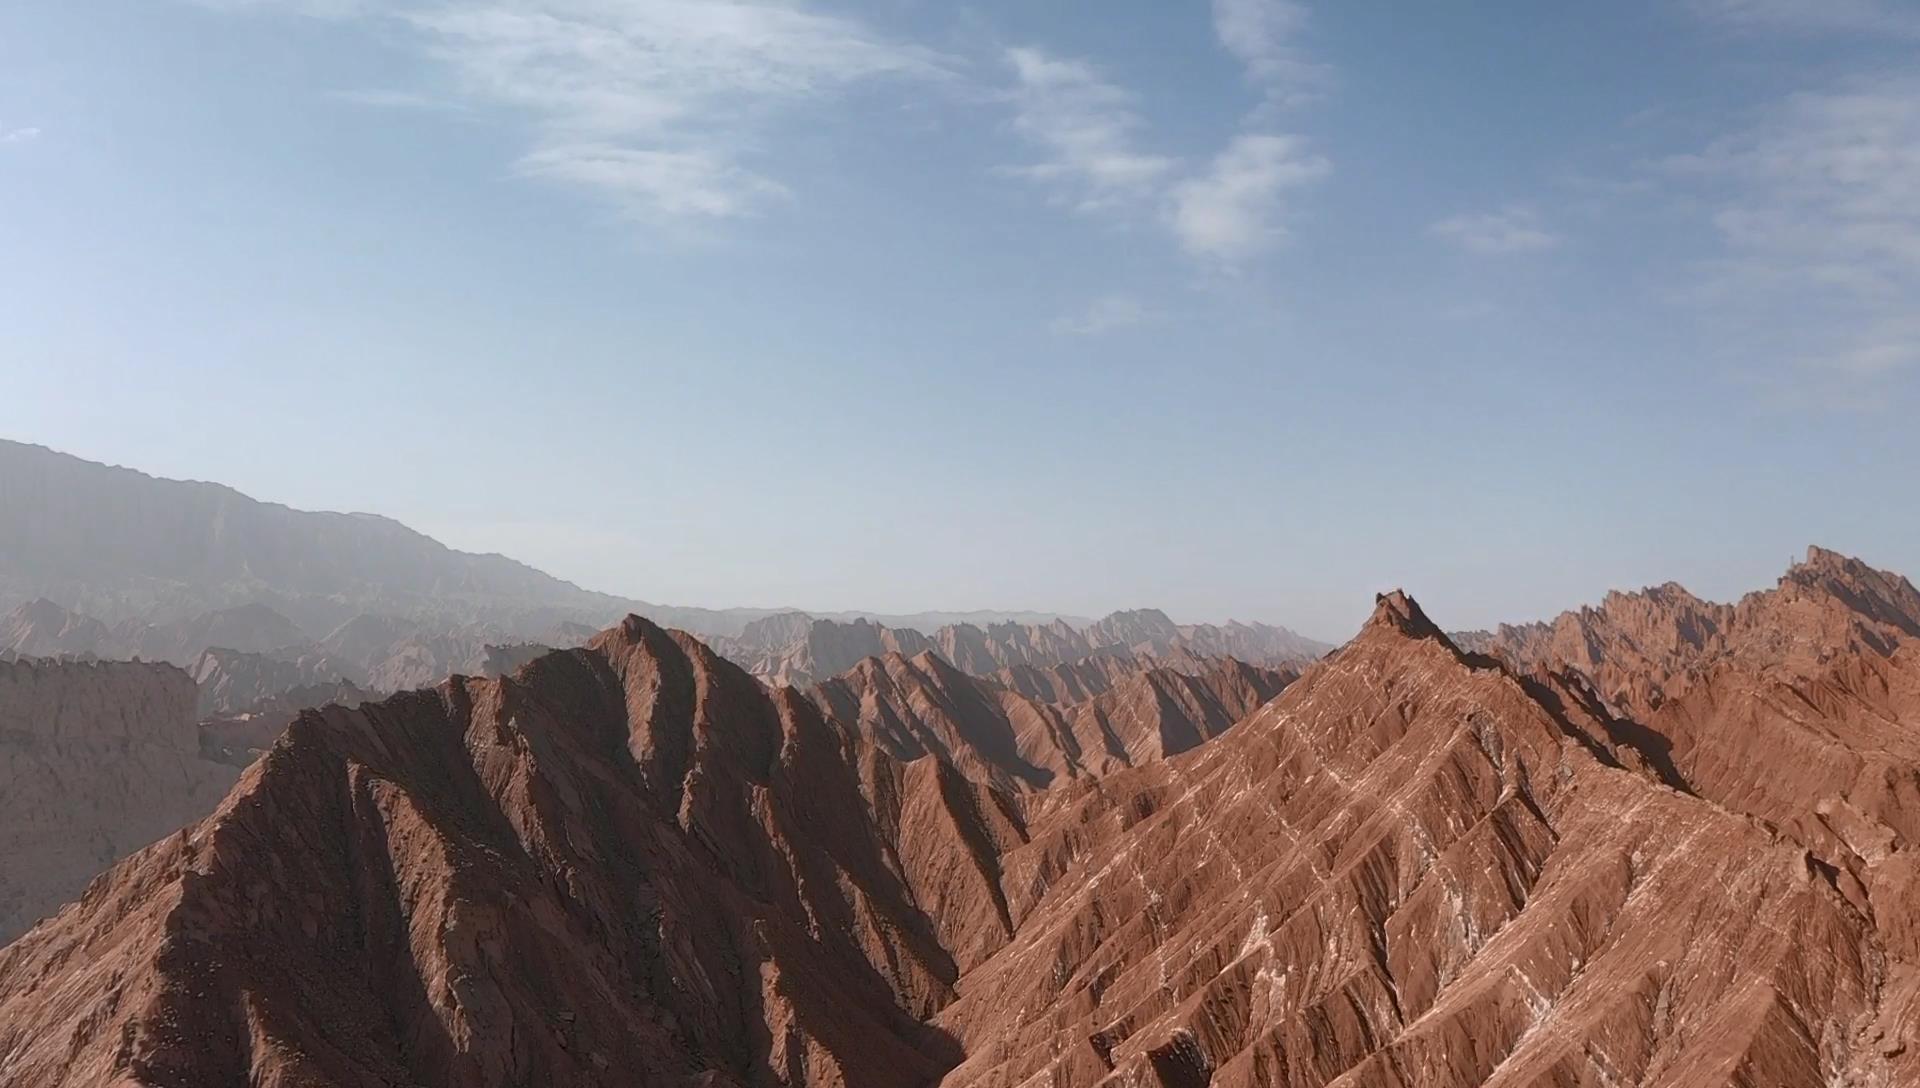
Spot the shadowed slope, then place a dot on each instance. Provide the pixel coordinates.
(627, 865)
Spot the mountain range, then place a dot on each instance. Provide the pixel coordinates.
(1659, 842)
(116, 564)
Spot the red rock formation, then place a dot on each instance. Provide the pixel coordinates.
(1407, 870)
(1415, 866)
(631, 864)
(1642, 648)
(1016, 741)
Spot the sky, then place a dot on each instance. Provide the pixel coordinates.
(1250, 308)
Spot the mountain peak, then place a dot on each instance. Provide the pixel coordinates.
(1400, 612)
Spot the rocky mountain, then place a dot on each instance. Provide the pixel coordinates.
(234, 682)
(41, 628)
(1015, 741)
(1411, 868)
(247, 655)
(1417, 865)
(97, 759)
(794, 648)
(120, 545)
(1641, 648)
(630, 864)
(797, 649)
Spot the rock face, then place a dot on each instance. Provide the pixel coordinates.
(1416, 865)
(630, 864)
(1016, 741)
(1409, 870)
(1644, 647)
(96, 761)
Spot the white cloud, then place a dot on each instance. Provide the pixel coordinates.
(655, 104)
(1086, 128)
(19, 135)
(1511, 230)
(1103, 315)
(647, 182)
(1263, 35)
(1844, 16)
(1236, 208)
(1818, 209)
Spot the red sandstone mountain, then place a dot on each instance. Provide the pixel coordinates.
(1640, 648)
(630, 864)
(1017, 741)
(1411, 870)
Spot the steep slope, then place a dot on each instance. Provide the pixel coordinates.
(1804, 712)
(923, 706)
(1016, 742)
(1408, 871)
(1159, 712)
(630, 864)
(96, 761)
(1644, 647)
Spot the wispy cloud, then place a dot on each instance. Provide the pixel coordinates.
(1103, 315)
(1894, 17)
(19, 135)
(1086, 129)
(1264, 36)
(1818, 208)
(647, 182)
(1508, 231)
(657, 105)
(1236, 207)
(1227, 210)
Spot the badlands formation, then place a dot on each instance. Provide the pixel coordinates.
(1661, 843)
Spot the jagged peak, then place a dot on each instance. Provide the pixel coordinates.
(1818, 556)
(1396, 610)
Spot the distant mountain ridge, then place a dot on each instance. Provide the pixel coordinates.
(798, 649)
(126, 549)
(118, 544)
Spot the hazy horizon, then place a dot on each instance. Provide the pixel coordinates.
(900, 616)
(1243, 311)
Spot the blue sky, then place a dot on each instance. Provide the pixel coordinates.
(1246, 309)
